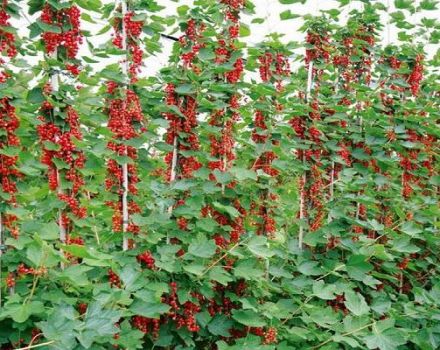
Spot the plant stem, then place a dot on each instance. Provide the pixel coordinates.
(36, 345)
(344, 335)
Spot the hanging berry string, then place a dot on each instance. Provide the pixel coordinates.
(181, 133)
(59, 123)
(133, 32)
(409, 161)
(125, 118)
(274, 66)
(125, 121)
(9, 123)
(415, 163)
(7, 40)
(69, 37)
(222, 144)
(353, 62)
(311, 184)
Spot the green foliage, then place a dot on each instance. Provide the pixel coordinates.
(366, 277)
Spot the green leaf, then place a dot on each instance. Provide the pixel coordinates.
(220, 325)
(411, 229)
(207, 224)
(185, 89)
(36, 96)
(226, 208)
(248, 318)
(390, 339)
(248, 270)
(358, 267)
(98, 322)
(429, 5)
(244, 30)
(150, 309)
(220, 275)
(129, 338)
(91, 5)
(323, 316)
(243, 174)
(285, 15)
(76, 250)
(324, 291)
(182, 10)
(206, 54)
(310, 268)
(202, 248)
(288, 2)
(10, 151)
(403, 4)
(131, 278)
(355, 302)
(348, 340)
(259, 246)
(47, 27)
(60, 327)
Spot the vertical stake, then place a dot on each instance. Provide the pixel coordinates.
(125, 216)
(304, 177)
(55, 84)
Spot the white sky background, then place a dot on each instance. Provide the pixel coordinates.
(268, 9)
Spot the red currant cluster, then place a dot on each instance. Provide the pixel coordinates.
(64, 151)
(358, 45)
(7, 39)
(223, 220)
(264, 162)
(147, 325)
(23, 270)
(320, 44)
(403, 264)
(114, 279)
(191, 43)
(70, 38)
(125, 122)
(181, 134)
(9, 123)
(234, 75)
(416, 75)
(10, 280)
(338, 304)
(73, 69)
(234, 4)
(270, 336)
(345, 154)
(298, 126)
(265, 221)
(82, 308)
(314, 194)
(282, 66)
(133, 30)
(273, 67)
(332, 242)
(73, 240)
(183, 315)
(146, 258)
